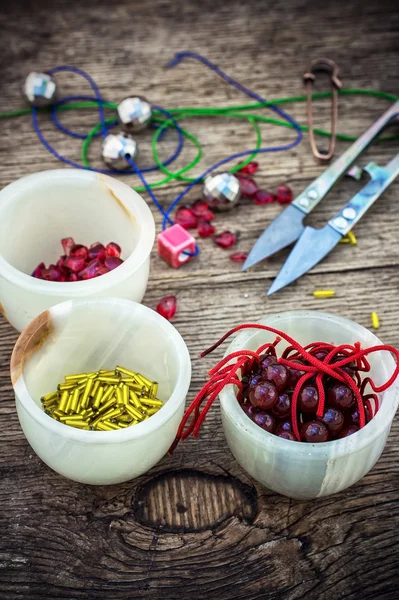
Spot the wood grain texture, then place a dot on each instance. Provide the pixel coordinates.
(196, 526)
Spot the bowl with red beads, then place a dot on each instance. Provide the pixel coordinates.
(67, 234)
(311, 412)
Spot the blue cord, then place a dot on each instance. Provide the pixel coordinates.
(74, 134)
(93, 86)
(100, 101)
(177, 59)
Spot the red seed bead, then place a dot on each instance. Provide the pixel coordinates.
(239, 256)
(201, 210)
(287, 435)
(262, 197)
(226, 239)
(333, 419)
(74, 264)
(250, 168)
(38, 271)
(73, 277)
(284, 194)
(265, 420)
(278, 375)
(67, 244)
(248, 186)
(264, 395)
(61, 261)
(308, 399)
(340, 396)
(186, 218)
(205, 228)
(111, 262)
(167, 307)
(282, 408)
(348, 431)
(113, 250)
(314, 432)
(96, 250)
(79, 251)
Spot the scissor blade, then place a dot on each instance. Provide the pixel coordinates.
(282, 232)
(311, 248)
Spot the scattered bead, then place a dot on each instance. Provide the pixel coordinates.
(262, 197)
(186, 218)
(239, 256)
(250, 168)
(284, 194)
(375, 321)
(226, 239)
(201, 210)
(167, 307)
(324, 293)
(248, 186)
(205, 228)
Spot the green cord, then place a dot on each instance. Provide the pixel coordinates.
(169, 122)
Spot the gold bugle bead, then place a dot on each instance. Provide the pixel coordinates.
(154, 390)
(119, 396)
(133, 412)
(63, 401)
(122, 424)
(110, 424)
(105, 379)
(109, 404)
(135, 400)
(66, 386)
(152, 402)
(111, 414)
(144, 380)
(76, 376)
(125, 372)
(152, 411)
(95, 387)
(106, 373)
(58, 413)
(98, 397)
(88, 412)
(125, 395)
(68, 409)
(125, 418)
(74, 400)
(79, 424)
(48, 397)
(86, 393)
(101, 426)
(73, 418)
(109, 392)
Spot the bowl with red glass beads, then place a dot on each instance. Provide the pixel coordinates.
(40, 210)
(302, 469)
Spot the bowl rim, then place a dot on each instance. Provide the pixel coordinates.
(140, 430)
(365, 436)
(134, 204)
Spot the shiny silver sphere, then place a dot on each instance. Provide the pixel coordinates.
(40, 89)
(114, 149)
(134, 113)
(222, 191)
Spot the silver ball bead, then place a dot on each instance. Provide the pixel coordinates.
(114, 149)
(134, 113)
(222, 191)
(40, 89)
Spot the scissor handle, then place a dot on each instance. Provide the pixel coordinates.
(316, 191)
(352, 212)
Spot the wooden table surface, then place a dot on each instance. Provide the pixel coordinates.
(196, 526)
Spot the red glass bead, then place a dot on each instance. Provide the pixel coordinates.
(111, 262)
(67, 244)
(264, 395)
(205, 229)
(79, 251)
(51, 274)
(333, 419)
(348, 431)
(314, 432)
(248, 186)
(226, 239)
(90, 270)
(278, 375)
(284, 425)
(73, 277)
(308, 399)
(250, 168)
(341, 396)
(249, 410)
(284, 194)
(113, 250)
(282, 408)
(186, 218)
(96, 250)
(38, 271)
(74, 264)
(262, 197)
(294, 375)
(167, 307)
(266, 360)
(61, 261)
(239, 256)
(265, 420)
(201, 210)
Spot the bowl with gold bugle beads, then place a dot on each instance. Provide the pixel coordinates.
(100, 387)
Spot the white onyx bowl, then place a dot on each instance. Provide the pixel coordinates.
(302, 470)
(37, 211)
(84, 336)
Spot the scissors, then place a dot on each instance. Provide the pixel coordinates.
(314, 244)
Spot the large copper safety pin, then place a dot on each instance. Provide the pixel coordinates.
(323, 64)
